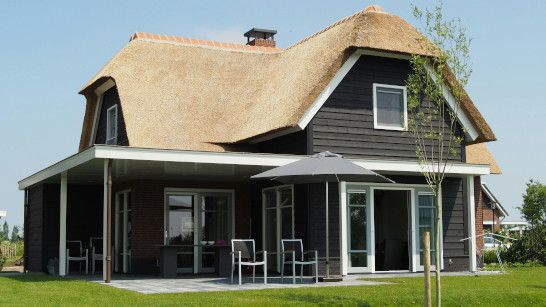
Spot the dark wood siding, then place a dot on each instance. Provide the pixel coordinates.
(111, 98)
(34, 231)
(293, 143)
(345, 123)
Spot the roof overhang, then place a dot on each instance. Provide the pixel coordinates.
(245, 160)
(491, 196)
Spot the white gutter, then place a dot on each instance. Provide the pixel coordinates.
(231, 158)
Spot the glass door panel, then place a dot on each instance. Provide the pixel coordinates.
(357, 232)
(270, 229)
(181, 229)
(214, 224)
(426, 215)
(122, 232)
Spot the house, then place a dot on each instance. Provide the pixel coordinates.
(493, 211)
(174, 127)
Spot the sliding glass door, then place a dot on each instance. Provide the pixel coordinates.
(196, 220)
(122, 232)
(278, 216)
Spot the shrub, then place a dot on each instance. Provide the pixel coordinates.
(490, 256)
(531, 247)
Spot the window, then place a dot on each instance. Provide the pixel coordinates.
(426, 223)
(389, 107)
(111, 125)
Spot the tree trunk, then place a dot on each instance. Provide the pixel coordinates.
(437, 228)
(428, 292)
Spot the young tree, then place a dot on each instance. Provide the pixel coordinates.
(432, 120)
(4, 234)
(534, 203)
(15, 234)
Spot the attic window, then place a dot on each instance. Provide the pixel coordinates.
(111, 125)
(390, 109)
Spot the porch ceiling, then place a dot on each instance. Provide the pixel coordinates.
(91, 172)
(87, 167)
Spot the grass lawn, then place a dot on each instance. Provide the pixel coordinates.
(521, 287)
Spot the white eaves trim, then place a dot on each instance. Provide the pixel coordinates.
(59, 167)
(451, 101)
(231, 158)
(346, 67)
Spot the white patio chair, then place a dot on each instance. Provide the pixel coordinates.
(243, 252)
(294, 249)
(76, 253)
(95, 244)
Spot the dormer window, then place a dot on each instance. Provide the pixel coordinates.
(112, 125)
(390, 107)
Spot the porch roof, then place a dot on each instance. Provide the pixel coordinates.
(86, 167)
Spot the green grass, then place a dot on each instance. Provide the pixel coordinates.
(521, 287)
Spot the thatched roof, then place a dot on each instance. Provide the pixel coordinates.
(199, 95)
(480, 154)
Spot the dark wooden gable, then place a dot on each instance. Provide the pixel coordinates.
(111, 98)
(345, 123)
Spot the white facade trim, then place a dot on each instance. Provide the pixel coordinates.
(231, 158)
(62, 225)
(344, 263)
(325, 94)
(105, 219)
(471, 131)
(471, 222)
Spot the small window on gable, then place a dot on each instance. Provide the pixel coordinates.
(390, 107)
(112, 125)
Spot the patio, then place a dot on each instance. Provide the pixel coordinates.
(156, 285)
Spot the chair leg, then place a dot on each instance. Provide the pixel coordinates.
(253, 274)
(282, 273)
(301, 273)
(86, 266)
(265, 273)
(316, 272)
(294, 272)
(240, 282)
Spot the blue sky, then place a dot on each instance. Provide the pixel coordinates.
(50, 49)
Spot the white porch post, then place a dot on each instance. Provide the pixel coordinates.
(105, 219)
(343, 227)
(62, 225)
(471, 222)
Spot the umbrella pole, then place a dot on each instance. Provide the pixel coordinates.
(327, 236)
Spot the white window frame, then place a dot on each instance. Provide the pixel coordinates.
(278, 213)
(197, 193)
(112, 140)
(377, 125)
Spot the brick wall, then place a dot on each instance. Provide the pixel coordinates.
(147, 217)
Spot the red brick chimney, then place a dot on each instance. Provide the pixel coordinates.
(260, 37)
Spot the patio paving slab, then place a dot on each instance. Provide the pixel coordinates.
(147, 285)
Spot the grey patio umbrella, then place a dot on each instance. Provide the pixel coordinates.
(322, 167)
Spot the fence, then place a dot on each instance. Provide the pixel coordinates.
(10, 250)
